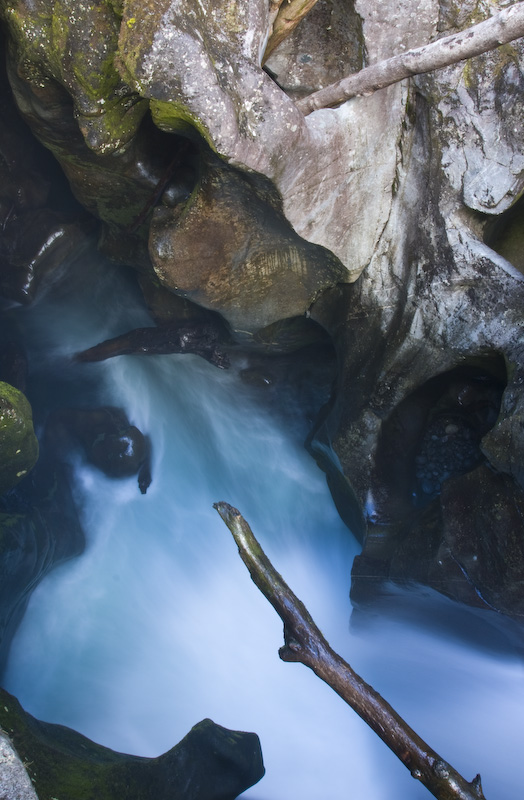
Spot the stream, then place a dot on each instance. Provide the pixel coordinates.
(158, 625)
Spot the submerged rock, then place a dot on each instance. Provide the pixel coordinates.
(210, 763)
(108, 440)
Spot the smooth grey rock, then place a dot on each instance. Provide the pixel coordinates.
(15, 783)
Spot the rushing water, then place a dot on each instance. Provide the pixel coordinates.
(158, 625)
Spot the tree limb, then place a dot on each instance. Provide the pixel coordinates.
(274, 7)
(284, 17)
(305, 643)
(501, 28)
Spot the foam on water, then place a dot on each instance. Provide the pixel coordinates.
(158, 625)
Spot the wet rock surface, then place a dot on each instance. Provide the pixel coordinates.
(42, 225)
(107, 438)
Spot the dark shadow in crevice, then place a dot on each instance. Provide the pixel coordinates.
(435, 433)
(505, 234)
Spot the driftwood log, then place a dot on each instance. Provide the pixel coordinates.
(284, 16)
(202, 339)
(305, 643)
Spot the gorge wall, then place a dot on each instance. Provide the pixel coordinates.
(393, 223)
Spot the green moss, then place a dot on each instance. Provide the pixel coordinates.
(176, 118)
(18, 443)
(76, 46)
(490, 66)
(65, 765)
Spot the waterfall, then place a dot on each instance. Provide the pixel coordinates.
(158, 625)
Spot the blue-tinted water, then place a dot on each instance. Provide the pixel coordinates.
(158, 625)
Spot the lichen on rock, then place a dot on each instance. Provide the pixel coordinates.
(74, 45)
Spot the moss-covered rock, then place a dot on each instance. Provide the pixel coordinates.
(210, 763)
(18, 443)
(75, 44)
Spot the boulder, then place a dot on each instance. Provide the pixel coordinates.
(107, 438)
(210, 763)
(232, 251)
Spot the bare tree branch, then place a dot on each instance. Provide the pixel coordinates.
(274, 7)
(288, 14)
(501, 28)
(305, 643)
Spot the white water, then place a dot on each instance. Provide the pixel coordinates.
(158, 625)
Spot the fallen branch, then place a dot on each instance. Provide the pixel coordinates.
(200, 338)
(284, 18)
(305, 643)
(274, 8)
(501, 28)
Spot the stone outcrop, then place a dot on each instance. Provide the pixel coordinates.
(218, 253)
(436, 299)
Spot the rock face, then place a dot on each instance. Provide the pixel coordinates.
(42, 226)
(436, 300)
(393, 221)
